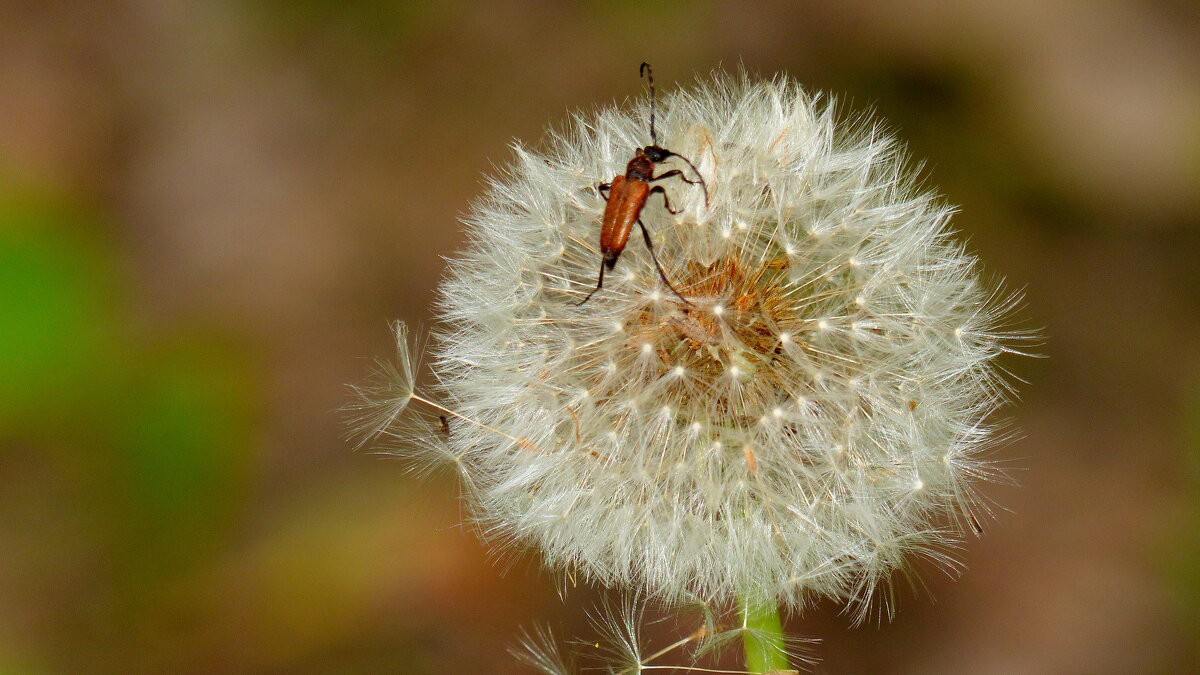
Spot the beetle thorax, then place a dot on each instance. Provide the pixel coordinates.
(640, 167)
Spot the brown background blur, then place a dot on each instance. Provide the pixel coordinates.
(209, 211)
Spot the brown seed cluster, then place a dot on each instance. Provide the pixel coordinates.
(731, 331)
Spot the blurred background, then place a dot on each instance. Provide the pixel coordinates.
(210, 211)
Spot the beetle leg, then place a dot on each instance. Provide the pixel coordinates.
(699, 182)
(599, 285)
(661, 273)
(666, 202)
(602, 188)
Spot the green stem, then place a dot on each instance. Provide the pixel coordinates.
(763, 638)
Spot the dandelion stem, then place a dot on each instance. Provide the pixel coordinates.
(763, 638)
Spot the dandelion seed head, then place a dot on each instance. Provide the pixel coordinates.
(824, 294)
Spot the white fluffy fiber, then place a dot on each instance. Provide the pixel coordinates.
(815, 416)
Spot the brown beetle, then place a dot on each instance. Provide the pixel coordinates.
(627, 197)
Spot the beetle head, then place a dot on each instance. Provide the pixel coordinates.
(656, 154)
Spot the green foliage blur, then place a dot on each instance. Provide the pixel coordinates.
(143, 439)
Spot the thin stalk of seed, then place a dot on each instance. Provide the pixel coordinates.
(523, 442)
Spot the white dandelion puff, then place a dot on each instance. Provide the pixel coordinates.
(813, 412)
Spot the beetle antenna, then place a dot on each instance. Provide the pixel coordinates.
(643, 72)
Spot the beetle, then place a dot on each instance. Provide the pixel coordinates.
(627, 196)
